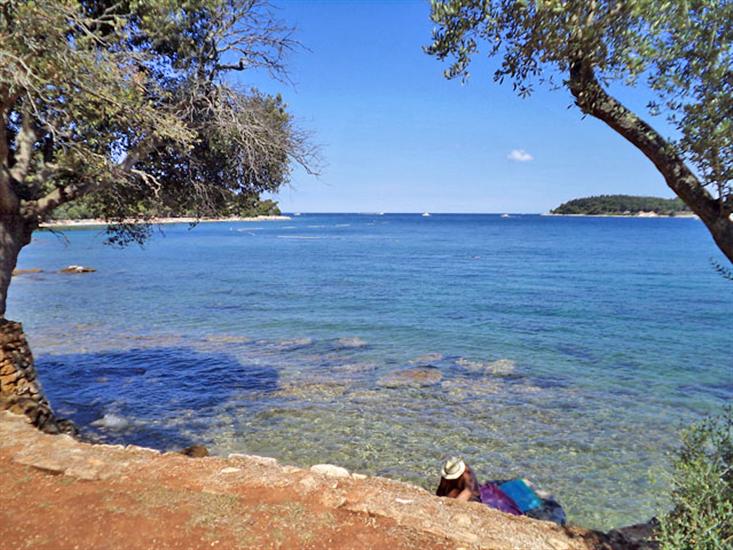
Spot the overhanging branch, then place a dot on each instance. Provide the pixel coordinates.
(595, 101)
(42, 207)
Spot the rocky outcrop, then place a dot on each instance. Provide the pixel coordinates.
(31, 271)
(20, 391)
(78, 269)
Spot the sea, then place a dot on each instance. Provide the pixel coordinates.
(567, 350)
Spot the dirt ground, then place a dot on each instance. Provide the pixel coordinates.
(43, 510)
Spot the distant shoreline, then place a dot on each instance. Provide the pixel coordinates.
(637, 215)
(163, 221)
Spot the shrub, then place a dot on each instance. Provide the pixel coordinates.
(702, 488)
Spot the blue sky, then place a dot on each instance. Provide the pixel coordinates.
(395, 136)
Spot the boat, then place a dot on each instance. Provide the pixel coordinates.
(426, 214)
(296, 214)
(505, 215)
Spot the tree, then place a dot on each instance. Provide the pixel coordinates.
(126, 105)
(681, 48)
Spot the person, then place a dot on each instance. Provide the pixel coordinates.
(457, 480)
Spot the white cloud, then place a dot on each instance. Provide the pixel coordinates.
(519, 155)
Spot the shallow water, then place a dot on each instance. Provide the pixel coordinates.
(566, 350)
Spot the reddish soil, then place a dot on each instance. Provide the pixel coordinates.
(58, 493)
(52, 511)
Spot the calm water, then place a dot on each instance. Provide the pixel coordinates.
(566, 350)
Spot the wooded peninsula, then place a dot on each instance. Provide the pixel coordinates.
(622, 205)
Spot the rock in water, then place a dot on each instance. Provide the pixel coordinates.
(416, 377)
(427, 358)
(111, 422)
(78, 269)
(26, 271)
(350, 343)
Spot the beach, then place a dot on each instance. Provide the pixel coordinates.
(163, 221)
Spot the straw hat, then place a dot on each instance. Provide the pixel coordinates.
(453, 468)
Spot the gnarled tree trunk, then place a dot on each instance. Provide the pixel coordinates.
(20, 391)
(15, 233)
(595, 101)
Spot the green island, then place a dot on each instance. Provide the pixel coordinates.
(623, 205)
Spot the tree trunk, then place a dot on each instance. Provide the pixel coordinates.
(595, 101)
(20, 391)
(15, 233)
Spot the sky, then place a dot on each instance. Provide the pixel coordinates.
(396, 136)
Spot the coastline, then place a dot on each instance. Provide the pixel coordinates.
(642, 214)
(241, 497)
(164, 221)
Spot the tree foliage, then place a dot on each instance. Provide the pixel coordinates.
(680, 49)
(128, 103)
(622, 204)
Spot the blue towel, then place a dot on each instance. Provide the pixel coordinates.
(522, 494)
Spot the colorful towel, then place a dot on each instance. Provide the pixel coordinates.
(494, 497)
(522, 495)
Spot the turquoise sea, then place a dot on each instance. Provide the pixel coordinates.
(566, 350)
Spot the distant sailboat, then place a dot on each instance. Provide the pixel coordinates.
(505, 215)
(426, 214)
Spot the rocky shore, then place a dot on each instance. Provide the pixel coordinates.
(61, 493)
(134, 497)
(141, 497)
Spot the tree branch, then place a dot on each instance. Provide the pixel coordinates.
(40, 208)
(595, 101)
(8, 198)
(24, 147)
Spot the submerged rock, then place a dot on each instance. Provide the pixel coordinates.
(227, 339)
(353, 342)
(293, 344)
(111, 422)
(354, 368)
(305, 390)
(427, 358)
(416, 377)
(500, 367)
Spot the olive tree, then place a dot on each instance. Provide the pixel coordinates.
(680, 49)
(126, 105)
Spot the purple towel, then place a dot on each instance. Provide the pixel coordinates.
(494, 497)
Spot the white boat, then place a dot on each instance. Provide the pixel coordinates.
(296, 214)
(426, 214)
(505, 215)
